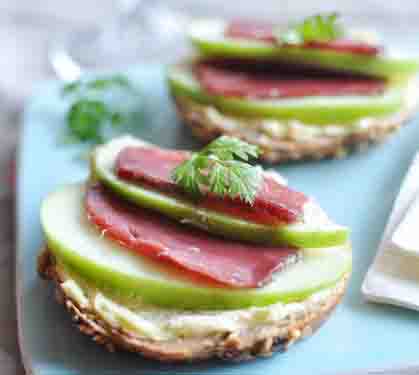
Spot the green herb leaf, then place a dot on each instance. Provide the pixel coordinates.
(320, 27)
(226, 148)
(215, 169)
(105, 83)
(85, 117)
(97, 84)
(98, 107)
(70, 88)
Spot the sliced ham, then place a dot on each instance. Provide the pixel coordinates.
(274, 203)
(220, 80)
(264, 31)
(195, 253)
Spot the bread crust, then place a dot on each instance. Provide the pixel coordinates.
(279, 150)
(240, 346)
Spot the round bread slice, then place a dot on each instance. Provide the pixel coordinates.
(297, 321)
(293, 141)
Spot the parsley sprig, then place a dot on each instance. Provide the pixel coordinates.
(216, 169)
(320, 27)
(99, 105)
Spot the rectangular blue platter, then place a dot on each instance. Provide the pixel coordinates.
(357, 192)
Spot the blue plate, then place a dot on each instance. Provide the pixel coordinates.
(357, 192)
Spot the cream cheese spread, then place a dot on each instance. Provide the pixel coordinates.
(163, 324)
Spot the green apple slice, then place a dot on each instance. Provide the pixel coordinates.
(208, 37)
(315, 232)
(79, 246)
(316, 110)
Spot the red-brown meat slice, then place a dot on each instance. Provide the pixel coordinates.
(264, 31)
(223, 81)
(149, 165)
(255, 30)
(274, 203)
(345, 45)
(195, 253)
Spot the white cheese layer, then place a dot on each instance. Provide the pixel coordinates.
(162, 324)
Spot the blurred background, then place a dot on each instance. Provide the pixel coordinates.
(27, 27)
(44, 39)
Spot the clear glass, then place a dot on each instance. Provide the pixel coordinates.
(142, 31)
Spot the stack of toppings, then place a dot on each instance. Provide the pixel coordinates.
(307, 90)
(181, 233)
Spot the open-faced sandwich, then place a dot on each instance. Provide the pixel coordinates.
(309, 90)
(184, 256)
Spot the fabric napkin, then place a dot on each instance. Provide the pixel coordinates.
(405, 237)
(394, 276)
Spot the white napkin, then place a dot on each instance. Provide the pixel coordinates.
(394, 276)
(405, 237)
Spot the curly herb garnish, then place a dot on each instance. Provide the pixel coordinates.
(99, 105)
(222, 169)
(320, 28)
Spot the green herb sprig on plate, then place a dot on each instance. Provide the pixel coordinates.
(221, 168)
(99, 107)
(320, 28)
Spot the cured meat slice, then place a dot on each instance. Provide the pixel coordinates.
(255, 30)
(263, 31)
(234, 83)
(150, 165)
(199, 255)
(274, 203)
(345, 45)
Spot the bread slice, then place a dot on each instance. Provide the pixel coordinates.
(259, 340)
(207, 123)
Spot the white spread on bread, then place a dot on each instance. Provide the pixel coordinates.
(162, 324)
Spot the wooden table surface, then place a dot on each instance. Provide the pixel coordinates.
(26, 29)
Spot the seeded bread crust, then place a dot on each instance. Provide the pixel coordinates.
(241, 346)
(279, 150)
